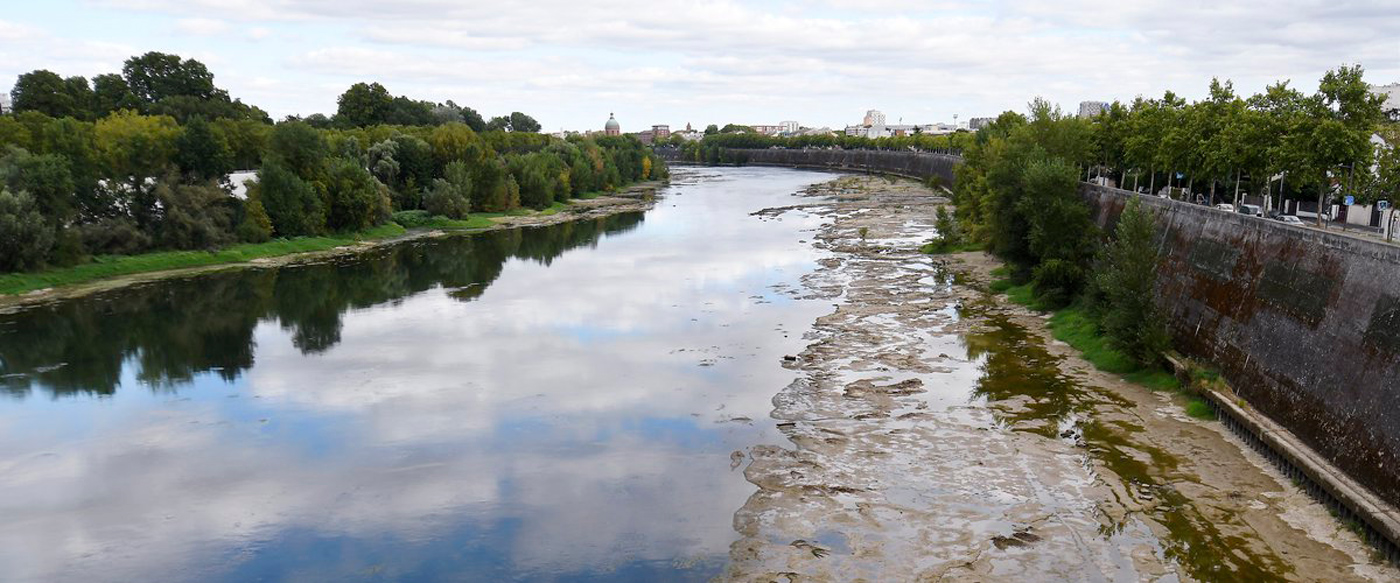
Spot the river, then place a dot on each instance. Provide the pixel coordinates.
(736, 384)
(557, 403)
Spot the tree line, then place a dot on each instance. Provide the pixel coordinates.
(1017, 190)
(712, 149)
(139, 161)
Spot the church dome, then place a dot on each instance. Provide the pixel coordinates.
(612, 123)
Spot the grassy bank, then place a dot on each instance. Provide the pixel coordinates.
(118, 265)
(1076, 327)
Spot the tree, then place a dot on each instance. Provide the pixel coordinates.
(292, 205)
(450, 195)
(711, 129)
(111, 93)
(195, 216)
(25, 238)
(520, 122)
(1061, 234)
(498, 124)
(46, 178)
(473, 119)
(155, 76)
(134, 147)
(455, 141)
(202, 153)
(364, 104)
(1127, 278)
(45, 92)
(299, 147)
(356, 200)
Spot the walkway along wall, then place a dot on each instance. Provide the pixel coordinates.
(1305, 324)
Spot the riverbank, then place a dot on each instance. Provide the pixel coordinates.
(30, 288)
(941, 432)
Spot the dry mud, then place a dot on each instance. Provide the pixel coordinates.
(939, 434)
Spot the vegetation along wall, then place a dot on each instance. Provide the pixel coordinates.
(1304, 323)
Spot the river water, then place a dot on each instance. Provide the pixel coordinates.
(557, 403)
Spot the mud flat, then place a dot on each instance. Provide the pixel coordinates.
(938, 433)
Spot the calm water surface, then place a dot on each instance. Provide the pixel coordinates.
(549, 404)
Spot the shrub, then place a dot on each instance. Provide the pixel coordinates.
(291, 203)
(25, 238)
(1056, 282)
(255, 227)
(195, 216)
(1126, 282)
(114, 236)
(357, 200)
(450, 196)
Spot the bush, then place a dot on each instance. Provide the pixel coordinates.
(25, 238)
(450, 196)
(255, 227)
(357, 200)
(292, 205)
(195, 216)
(114, 236)
(1126, 282)
(1056, 282)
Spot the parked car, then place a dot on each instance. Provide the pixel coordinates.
(1225, 206)
(1290, 220)
(1252, 210)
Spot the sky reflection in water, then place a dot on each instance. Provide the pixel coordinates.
(552, 404)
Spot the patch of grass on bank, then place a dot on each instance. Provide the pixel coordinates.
(118, 265)
(420, 219)
(1200, 409)
(1075, 327)
(554, 208)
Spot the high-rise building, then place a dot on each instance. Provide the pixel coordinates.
(1391, 105)
(978, 123)
(873, 118)
(790, 127)
(1091, 108)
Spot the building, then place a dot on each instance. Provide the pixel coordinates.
(789, 127)
(1091, 108)
(1391, 105)
(612, 128)
(978, 123)
(767, 130)
(873, 117)
(661, 132)
(5, 103)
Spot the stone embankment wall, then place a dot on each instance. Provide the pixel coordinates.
(917, 165)
(1304, 324)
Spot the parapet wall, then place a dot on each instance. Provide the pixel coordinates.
(1305, 324)
(917, 165)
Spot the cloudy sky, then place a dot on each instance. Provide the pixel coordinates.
(823, 62)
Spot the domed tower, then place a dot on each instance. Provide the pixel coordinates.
(612, 128)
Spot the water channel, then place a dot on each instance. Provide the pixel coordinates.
(557, 403)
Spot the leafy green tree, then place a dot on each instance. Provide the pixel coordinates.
(299, 147)
(453, 142)
(155, 76)
(498, 124)
(450, 195)
(291, 204)
(711, 129)
(364, 104)
(256, 226)
(45, 92)
(47, 178)
(194, 216)
(25, 238)
(1061, 234)
(202, 153)
(111, 93)
(135, 147)
(356, 200)
(1127, 280)
(520, 122)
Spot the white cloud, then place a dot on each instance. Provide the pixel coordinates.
(201, 26)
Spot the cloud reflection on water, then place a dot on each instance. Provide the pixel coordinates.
(552, 428)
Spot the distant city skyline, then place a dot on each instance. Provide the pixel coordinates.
(569, 64)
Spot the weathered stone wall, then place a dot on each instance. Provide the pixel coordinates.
(918, 165)
(1304, 324)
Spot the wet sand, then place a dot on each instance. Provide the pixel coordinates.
(939, 433)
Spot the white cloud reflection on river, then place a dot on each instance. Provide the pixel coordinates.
(553, 424)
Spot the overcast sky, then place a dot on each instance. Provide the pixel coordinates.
(570, 62)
